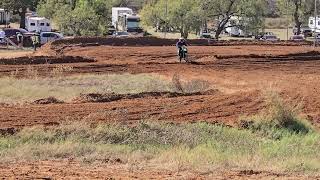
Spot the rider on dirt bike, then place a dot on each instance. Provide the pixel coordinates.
(180, 44)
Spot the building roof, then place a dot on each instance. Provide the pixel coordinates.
(121, 8)
(38, 18)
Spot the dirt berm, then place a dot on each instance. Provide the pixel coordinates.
(303, 56)
(57, 47)
(85, 98)
(44, 60)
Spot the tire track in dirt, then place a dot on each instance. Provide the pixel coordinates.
(217, 108)
(239, 79)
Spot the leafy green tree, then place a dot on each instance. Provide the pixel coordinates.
(181, 15)
(80, 21)
(254, 13)
(220, 11)
(78, 17)
(19, 7)
(250, 11)
(300, 10)
(50, 8)
(83, 17)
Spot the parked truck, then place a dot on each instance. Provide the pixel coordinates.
(4, 17)
(123, 19)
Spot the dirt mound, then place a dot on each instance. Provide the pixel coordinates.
(305, 56)
(83, 98)
(49, 100)
(7, 131)
(57, 47)
(309, 53)
(132, 41)
(154, 41)
(44, 60)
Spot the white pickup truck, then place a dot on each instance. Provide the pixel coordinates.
(46, 37)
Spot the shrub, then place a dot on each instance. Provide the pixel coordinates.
(193, 86)
(279, 118)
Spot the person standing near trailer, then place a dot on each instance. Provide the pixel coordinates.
(20, 39)
(2, 36)
(35, 41)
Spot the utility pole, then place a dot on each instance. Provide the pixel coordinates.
(166, 25)
(315, 23)
(287, 20)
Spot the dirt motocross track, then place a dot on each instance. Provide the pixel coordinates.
(241, 74)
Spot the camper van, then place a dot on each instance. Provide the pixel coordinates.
(123, 19)
(38, 24)
(117, 12)
(4, 17)
(314, 24)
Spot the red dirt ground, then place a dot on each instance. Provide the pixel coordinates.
(241, 82)
(239, 74)
(70, 170)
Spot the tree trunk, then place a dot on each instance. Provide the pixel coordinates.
(221, 27)
(181, 32)
(186, 34)
(22, 15)
(218, 32)
(296, 17)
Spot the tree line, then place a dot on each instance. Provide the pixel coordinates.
(92, 17)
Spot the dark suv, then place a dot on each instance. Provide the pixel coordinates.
(11, 33)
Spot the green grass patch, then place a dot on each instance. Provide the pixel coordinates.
(198, 146)
(20, 90)
(278, 119)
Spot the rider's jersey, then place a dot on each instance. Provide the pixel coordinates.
(181, 43)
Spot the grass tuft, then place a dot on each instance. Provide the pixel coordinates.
(195, 85)
(279, 118)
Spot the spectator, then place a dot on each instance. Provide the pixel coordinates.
(35, 41)
(20, 39)
(2, 36)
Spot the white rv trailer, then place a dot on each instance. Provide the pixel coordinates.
(4, 17)
(118, 12)
(123, 19)
(314, 24)
(237, 27)
(38, 24)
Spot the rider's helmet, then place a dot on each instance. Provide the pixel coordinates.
(181, 39)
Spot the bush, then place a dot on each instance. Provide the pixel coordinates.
(193, 86)
(278, 118)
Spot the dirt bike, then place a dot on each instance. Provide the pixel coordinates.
(183, 53)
